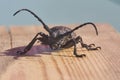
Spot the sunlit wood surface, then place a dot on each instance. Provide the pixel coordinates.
(42, 64)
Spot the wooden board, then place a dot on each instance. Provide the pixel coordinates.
(42, 64)
(5, 45)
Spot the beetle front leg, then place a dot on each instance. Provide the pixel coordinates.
(29, 46)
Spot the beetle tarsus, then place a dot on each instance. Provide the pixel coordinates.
(90, 47)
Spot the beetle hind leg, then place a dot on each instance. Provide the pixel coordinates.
(88, 47)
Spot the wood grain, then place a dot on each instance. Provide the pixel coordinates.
(42, 64)
(5, 44)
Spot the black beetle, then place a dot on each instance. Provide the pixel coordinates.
(59, 37)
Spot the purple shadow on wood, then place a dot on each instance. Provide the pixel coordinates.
(37, 49)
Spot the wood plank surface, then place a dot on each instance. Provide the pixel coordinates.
(5, 44)
(42, 64)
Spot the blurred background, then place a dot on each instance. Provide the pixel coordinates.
(61, 12)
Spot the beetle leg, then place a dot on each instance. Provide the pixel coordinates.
(29, 46)
(88, 47)
(75, 50)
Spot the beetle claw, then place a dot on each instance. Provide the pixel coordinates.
(91, 45)
(98, 48)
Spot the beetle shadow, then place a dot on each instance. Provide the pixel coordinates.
(33, 52)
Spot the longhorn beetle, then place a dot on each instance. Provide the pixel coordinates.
(59, 37)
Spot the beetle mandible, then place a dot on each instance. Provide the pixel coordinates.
(59, 37)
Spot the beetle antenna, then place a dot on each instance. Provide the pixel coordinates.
(69, 32)
(45, 26)
(84, 25)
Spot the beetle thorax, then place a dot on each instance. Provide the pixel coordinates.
(55, 41)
